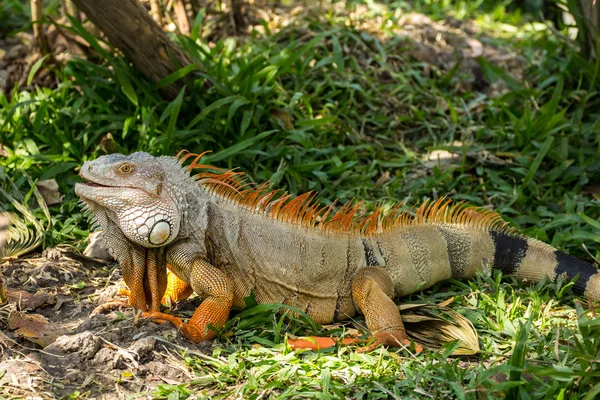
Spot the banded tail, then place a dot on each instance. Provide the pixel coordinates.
(443, 240)
(531, 260)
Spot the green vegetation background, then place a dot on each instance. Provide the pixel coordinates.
(305, 107)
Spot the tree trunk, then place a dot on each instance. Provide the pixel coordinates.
(129, 27)
(237, 15)
(38, 29)
(591, 14)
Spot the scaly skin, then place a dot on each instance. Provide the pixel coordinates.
(223, 241)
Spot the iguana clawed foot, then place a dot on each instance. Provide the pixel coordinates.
(189, 331)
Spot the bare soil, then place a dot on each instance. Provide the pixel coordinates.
(104, 356)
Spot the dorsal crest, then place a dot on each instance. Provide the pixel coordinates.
(305, 211)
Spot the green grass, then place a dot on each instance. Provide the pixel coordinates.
(306, 107)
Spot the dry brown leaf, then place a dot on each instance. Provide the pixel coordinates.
(26, 300)
(35, 328)
(433, 326)
(446, 302)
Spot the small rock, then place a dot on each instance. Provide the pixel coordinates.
(143, 346)
(85, 344)
(49, 190)
(15, 52)
(106, 357)
(98, 247)
(441, 158)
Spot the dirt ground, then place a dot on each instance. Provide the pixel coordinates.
(51, 347)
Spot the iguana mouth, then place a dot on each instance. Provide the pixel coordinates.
(94, 184)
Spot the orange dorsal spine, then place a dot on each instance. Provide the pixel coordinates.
(306, 212)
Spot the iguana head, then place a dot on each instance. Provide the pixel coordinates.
(130, 191)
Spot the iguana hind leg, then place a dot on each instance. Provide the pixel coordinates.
(372, 292)
(217, 290)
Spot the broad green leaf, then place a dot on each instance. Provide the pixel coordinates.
(34, 68)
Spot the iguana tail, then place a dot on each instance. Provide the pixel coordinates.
(531, 260)
(442, 240)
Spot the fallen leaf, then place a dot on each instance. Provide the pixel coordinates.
(446, 302)
(49, 190)
(35, 328)
(26, 300)
(433, 325)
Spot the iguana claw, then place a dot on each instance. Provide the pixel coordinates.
(188, 330)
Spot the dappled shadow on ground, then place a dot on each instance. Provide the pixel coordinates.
(51, 347)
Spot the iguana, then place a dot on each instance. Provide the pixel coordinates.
(223, 238)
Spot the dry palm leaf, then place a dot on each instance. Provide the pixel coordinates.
(26, 233)
(434, 325)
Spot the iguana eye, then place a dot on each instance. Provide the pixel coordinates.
(125, 169)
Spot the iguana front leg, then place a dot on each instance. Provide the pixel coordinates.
(372, 292)
(212, 284)
(133, 264)
(144, 273)
(176, 291)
